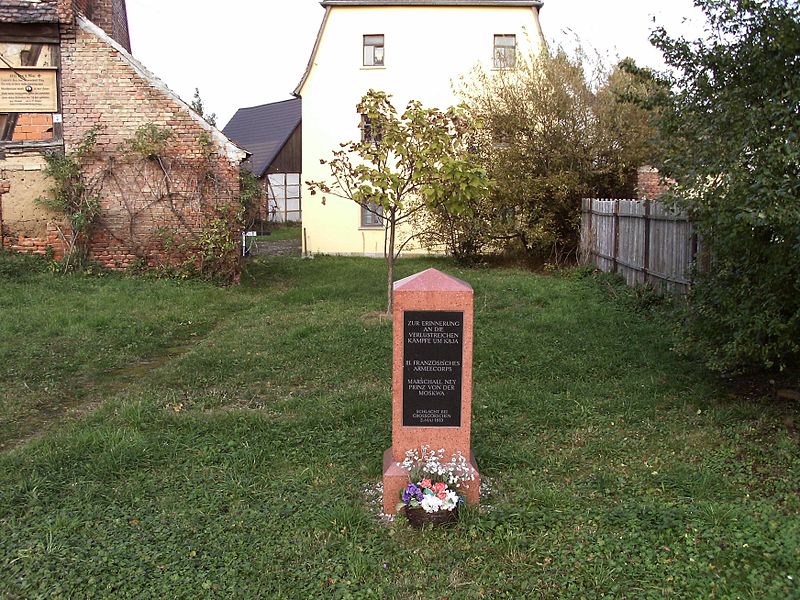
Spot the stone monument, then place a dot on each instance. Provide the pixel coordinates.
(431, 375)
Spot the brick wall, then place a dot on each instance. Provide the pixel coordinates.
(51, 242)
(33, 127)
(143, 201)
(110, 15)
(119, 26)
(152, 210)
(650, 184)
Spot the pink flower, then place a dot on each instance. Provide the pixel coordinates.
(439, 486)
(426, 483)
(442, 495)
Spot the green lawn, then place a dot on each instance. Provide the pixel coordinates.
(222, 444)
(282, 232)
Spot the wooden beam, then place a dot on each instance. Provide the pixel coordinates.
(29, 33)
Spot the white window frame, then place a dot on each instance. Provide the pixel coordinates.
(374, 52)
(505, 55)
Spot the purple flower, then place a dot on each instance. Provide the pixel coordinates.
(410, 492)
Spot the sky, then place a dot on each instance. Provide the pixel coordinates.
(248, 52)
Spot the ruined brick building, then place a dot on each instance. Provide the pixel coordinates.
(66, 71)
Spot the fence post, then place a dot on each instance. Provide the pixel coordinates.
(699, 261)
(616, 236)
(646, 240)
(588, 204)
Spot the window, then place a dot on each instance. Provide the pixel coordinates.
(373, 50)
(284, 197)
(372, 216)
(368, 133)
(505, 51)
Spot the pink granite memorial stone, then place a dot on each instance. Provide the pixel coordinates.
(432, 376)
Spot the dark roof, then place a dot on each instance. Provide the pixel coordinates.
(263, 130)
(24, 11)
(431, 3)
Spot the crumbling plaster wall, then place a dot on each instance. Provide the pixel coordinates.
(24, 175)
(24, 224)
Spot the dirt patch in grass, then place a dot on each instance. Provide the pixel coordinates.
(86, 396)
(784, 386)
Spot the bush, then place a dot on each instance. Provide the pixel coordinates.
(730, 129)
(555, 130)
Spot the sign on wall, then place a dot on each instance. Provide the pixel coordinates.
(28, 91)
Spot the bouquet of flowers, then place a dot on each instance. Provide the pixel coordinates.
(433, 483)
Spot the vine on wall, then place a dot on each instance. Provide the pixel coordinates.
(167, 206)
(75, 195)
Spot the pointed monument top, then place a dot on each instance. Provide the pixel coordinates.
(431, 280)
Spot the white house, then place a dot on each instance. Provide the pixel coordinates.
(411, 50)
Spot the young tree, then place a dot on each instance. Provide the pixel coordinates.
(197, 106)
(730, 129)
(405, 167)
(555, 131)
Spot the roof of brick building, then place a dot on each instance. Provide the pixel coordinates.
(29, 11)
(264, 130)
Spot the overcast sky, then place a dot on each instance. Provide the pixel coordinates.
(248, 52)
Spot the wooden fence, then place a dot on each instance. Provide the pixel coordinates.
(642, 240)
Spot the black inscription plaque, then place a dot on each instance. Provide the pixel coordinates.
(432, 352)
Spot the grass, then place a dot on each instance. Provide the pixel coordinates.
(231, 460)
(282, 232)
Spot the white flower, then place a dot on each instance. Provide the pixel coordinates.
(431, 503)
(451, 501)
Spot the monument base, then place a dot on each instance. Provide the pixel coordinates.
(395, 479)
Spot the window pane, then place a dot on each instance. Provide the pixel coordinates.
(373, 50)
(509, 41)
(369, 218)
(505, 53)
(293, 178)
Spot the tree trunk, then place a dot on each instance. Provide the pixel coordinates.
(390, 263)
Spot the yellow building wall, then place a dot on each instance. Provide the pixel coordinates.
(427, 51)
